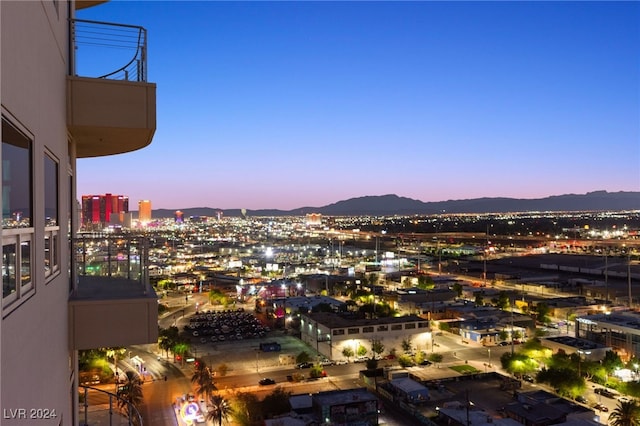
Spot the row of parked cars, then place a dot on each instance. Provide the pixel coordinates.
(226, 325)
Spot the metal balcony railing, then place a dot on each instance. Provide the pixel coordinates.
(99, 407)
(107, 50)
(113, 256)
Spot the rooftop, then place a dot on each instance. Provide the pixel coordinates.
(332, 320)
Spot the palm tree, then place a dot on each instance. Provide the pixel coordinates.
(627, 413)
(202, 377)
(218, 409)
(130, 393)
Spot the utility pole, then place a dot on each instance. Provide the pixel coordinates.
(629, 275)
(606, 278)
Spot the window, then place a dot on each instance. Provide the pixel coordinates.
(16, 178)
(353, 331)
(383, 328)
(9, 280)
(16, 265)
(339, 332)
(17, 214)
(408, 326)
(396, 327)
(367, 329)
(51, 213)
(50, 191)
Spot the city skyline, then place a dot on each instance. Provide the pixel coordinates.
(283, 104)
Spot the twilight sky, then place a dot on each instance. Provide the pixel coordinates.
(293, 104)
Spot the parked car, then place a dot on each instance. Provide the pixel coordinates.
(503, 343)
(267, 381)
(605, 392)
(581, 399)
(305, 365)
(601, 408)
(528, 378)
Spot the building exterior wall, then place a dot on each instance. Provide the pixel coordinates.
(330, 340)
(37, 369)
(144, 211)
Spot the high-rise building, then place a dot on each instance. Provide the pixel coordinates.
(54, 112)
(179, 216)
(104, 209)
(144, 211)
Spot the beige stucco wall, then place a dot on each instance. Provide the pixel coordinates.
(36, 366)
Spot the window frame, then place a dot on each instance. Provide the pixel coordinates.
(52, 232)
(19, 235)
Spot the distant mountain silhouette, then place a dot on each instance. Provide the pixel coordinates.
(395, 205)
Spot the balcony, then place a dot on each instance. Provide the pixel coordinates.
(111, 108)
(113, 303)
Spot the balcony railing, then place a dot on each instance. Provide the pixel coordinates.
(112, 256)
(107, 50)
(112, 302)
(99, 407)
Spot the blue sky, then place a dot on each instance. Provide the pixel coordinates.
(293, 104)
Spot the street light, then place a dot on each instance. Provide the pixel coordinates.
(580, 352)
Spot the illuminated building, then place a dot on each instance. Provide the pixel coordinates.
(314, 219)
(103, 209)
(54, 114)
(144, 211)
(179, 216)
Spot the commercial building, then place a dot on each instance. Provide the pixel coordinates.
(52, 116)
(102, 209)
(357, 407)
(331, 333)
(619, 331)
(144, 211)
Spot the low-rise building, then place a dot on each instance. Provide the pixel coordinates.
(346, 407)
(331, 333)
(617, 330)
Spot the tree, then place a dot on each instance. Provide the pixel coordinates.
(180, 348)
(347, 352)
(376, 347)
(626, 413)
(202, 377)
(303, 357)
(435, 357)
(361, 351)
(218, 297)
(542, 312)
(246, 409)
(479, 298)
(503, 300)
(457, 288)
(316, 371)
(218, 409)
(406, 345)
(518, 363)
(130, 393)
(425, 282)
(612, 361)
(405, 360)
(566, 380)
(277, 402)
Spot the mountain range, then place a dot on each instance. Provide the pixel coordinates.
(387, 205)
